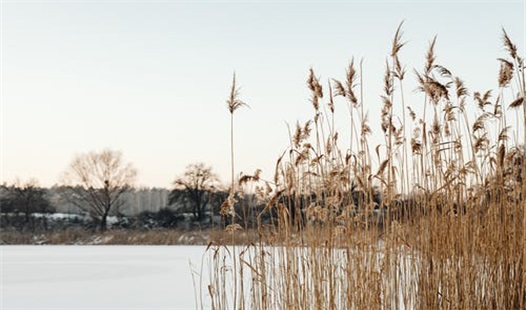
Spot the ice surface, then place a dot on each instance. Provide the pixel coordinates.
(99, 277)
(127, 277)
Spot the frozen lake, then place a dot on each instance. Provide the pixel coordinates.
(169, 277)
(100, 277)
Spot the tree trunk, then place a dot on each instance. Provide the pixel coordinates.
(196, 213)
(27, 212)
(104, 220)
(198, 205)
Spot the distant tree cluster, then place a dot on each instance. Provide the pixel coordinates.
(24, 199)
(100, 184)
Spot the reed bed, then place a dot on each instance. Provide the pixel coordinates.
(433, 217)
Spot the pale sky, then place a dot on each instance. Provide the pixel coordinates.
(150, 78)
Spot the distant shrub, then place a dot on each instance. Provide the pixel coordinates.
(164, 218)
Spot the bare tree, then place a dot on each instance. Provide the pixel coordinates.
(194, 188)
(96, 181)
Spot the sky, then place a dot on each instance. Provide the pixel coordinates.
(150, 78)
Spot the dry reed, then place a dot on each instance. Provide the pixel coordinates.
(439, 223)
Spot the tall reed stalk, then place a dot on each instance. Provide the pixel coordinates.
(438, 223)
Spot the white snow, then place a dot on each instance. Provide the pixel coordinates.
(127, 277)
(61, 216)
(72, 216)
(99, 277)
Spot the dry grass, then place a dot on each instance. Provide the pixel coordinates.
(125, 237)
(449, 229)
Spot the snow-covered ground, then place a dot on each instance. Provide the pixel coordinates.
(146, 277)
(100, 277)
(73, 216)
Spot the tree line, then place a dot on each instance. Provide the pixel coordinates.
(100, 184)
